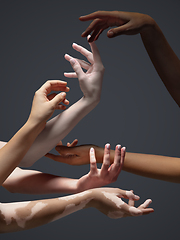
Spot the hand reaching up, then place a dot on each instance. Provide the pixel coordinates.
(91, 80)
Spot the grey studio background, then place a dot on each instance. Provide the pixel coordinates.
(135, 109)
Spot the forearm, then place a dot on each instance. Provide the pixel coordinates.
(12, 153)
(56, 129)
(35, 182)
(165, 61)
(26, 215)
(148, 165)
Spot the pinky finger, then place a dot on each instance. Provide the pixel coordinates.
(147, 211)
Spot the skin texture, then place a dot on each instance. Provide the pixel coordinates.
(147, 165)
(57, 128)
(35, 182)
(25, 215)
(165, 61)
(42, 108)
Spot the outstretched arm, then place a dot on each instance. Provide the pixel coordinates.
(147, 165)
(164, 59)
(42, 108)
(58, 127)
(35, 182)
(26, 215)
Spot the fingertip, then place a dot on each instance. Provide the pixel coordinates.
(83, 34)
(63, 94)
(136, 197)
(91, 150)
(92, 156)
(131, 195)
(66, 55)
(118, 147)
(124, 149)
(90, 40)
(110, 34)
(74, 44)
(67, 89)
(107, 146)
(149, 201)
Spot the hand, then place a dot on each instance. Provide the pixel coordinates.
(75, 155)
(44, 105)
(128, 23)
(107, 174)
(90, 81)
(109, 202)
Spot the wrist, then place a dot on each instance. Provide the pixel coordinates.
(35, 126)
(93, 195)
(149, 26)
(88, 103)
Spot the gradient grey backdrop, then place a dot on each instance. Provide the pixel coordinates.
(135, 109)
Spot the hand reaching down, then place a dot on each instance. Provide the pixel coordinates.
(128, 23)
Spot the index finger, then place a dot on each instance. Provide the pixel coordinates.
(95, 52)
(54, 85)
(97, 14)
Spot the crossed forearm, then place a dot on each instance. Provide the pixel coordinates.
(56, 129)
(11, 153)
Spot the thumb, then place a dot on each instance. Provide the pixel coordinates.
(57, 99)
(113, 32)
(77, 68)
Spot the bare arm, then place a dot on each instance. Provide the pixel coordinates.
(26, 215)
(164, 59)
(147, 165)
(42, 108)
(90, 84)
(35, 182)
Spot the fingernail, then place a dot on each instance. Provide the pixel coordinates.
(108, 146)
(92, 150)
(66, 55)
(72, 61)
(124, 149)
(75, 44)
(63, 94)
(119, 147)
